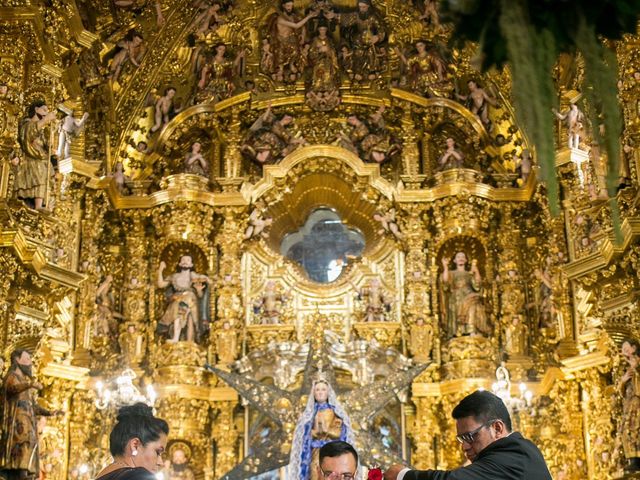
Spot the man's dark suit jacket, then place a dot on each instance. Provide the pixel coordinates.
(509, 458)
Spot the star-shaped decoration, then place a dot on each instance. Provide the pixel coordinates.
(284, 408)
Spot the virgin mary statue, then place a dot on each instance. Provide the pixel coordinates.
(323, 421)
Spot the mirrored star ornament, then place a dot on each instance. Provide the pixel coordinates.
(284, 408)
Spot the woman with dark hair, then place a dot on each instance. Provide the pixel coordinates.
(137, 444)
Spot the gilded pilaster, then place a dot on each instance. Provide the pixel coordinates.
(226, 438)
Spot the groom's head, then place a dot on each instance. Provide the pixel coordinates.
(338, 460)
(481, 419)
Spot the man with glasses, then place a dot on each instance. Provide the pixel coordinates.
(495, 452)
(338, 461)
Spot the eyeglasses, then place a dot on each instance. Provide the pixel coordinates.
(470, 437)
(337, 476)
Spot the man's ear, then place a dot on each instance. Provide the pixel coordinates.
(500, 428)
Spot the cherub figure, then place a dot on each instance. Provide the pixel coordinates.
(370, 140)
(388, 222)
(267, 64)
(430, 13)
(478, 101)
(120, 178)
(269, 139)
(525, 166)
(378, 305)
(345, 60)
(165, 109)
(257, 225)
(269, 304)
(132, 49)
(136, 4)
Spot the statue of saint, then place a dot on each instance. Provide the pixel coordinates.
(421, 340)
(323, 420)
(69, 129)
(179, 468)
(216, 78)
(378, 304)
(286, 31)
(226, 344)
(19, 434)
(33, 173)
(515, 336)
(187, 314)
(105, 320)
(630, 388)
(133, 345)
(545, 301)
(427, 71)
(365, 33)
(463, 306)
(574, 119)
(323, 60)
(195, 162)
(452, 157)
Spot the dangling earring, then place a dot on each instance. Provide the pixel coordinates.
(134, 452)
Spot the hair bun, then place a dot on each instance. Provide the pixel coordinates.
(136, 410)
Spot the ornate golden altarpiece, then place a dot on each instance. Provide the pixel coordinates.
(559, 292)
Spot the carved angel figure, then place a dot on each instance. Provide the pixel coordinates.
(69, 129)
(388, 222)
(257, 225)
(268, 307)
(370, 140)
(131, 50)
(378, 305)
(270, 139)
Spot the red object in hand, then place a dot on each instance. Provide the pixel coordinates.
(375, 474)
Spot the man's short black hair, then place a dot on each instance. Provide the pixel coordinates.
(483, 406)
(337, 449)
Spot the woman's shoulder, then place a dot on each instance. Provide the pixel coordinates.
(138, 473)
